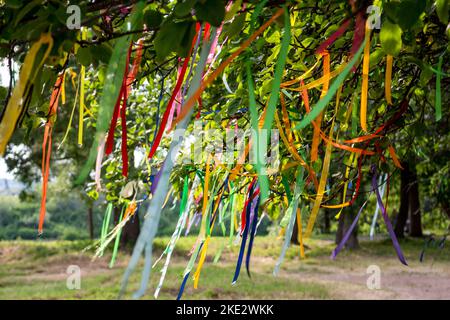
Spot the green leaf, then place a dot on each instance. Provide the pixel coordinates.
(391, 38)
(183, 9)
(212, 11)
(235, 27)
(274, 37)
(376, 56)
(101, 52)
(233, 10)
(13, 4)
(32, 29)
(22, 13)
(3, 93)
(405, 13)
(174, 37)
(307, 41)
(426, 74)
(84, 56)
(442, 8)
(153, 18)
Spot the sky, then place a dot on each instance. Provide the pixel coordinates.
(4, 174)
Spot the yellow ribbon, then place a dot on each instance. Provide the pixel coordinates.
(321, 190)
(387, 79)
(15, 106)
(365, 80)
(200, 262)
(347, 173)
(82, 106)
(293, 151)
(69, 125)
(300, 233)
(303, 76)
(324, 174)
(205, 198)
(318, 82)
(63, 90)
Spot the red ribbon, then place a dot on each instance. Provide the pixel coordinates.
(121, 99)
(162, 127)
(337, 34)
(244, 210)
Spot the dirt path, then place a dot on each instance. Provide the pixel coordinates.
(417, 281)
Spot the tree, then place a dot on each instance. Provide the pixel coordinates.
(268, 49)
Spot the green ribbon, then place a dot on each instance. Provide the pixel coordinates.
(117, 241)
(232, 212)
(291, 215)
(285, 183)
(273, 100)
(105, 225)
(256, 148)
(355, 119)
(279, 68)
(184, 196)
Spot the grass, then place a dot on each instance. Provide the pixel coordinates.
(37, 270)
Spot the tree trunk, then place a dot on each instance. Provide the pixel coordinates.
(345, 221)
(90, 222)
(130, 230)
(446, 208)
(415, 223)
(402, 216)
(327, 221)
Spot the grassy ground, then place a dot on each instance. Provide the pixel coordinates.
(37, 270)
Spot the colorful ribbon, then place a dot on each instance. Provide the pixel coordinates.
(397, 248)
(15, 106)
(318, 108)
(365, 80)
(388, 78)
(193, 99)
(47, 147)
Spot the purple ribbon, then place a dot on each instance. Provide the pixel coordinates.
(156, 179)
(348, 233)
(398, 250)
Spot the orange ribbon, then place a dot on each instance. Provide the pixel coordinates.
(394, 157)
(47, 147)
